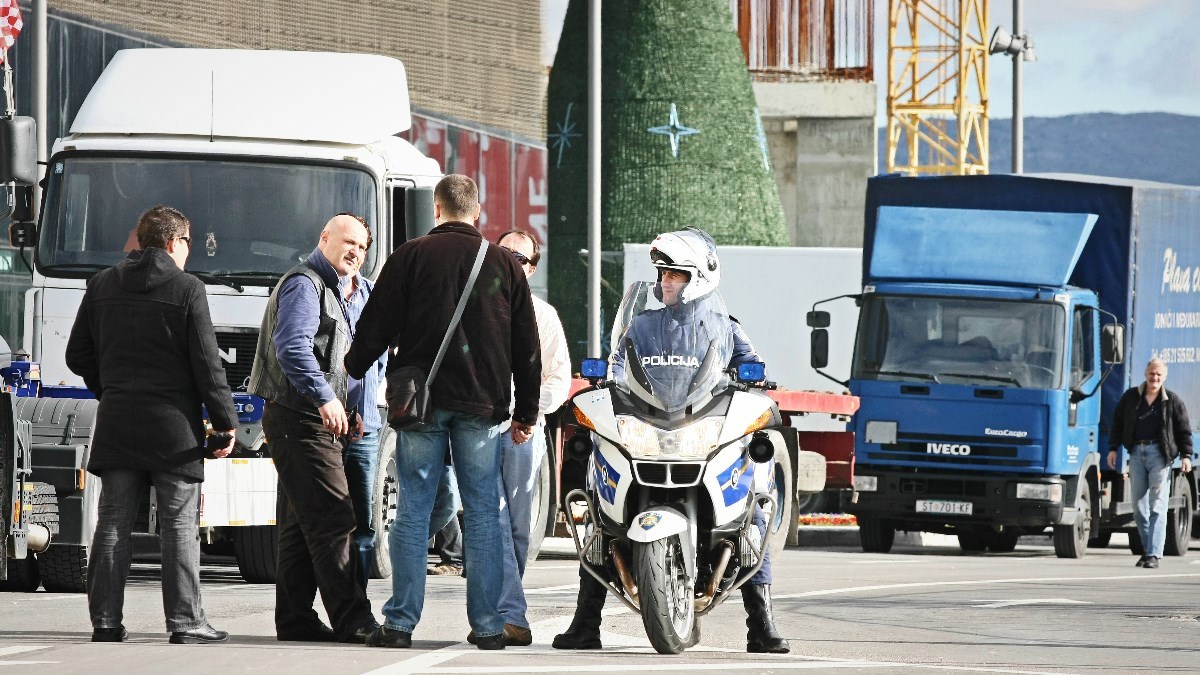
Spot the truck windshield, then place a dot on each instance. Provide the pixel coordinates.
(951, 340)
(251, 220)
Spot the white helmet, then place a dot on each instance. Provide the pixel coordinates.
(690, 250)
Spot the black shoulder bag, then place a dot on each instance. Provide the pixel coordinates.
(408, 386)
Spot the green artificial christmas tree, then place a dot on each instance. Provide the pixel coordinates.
(682, 143)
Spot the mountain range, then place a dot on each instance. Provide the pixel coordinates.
(1160, 147)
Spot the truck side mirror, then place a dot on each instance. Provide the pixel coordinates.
(818, 353)
(418, 211)
(22, 234)
(18, 151)
(818, 319)
(1112, 343)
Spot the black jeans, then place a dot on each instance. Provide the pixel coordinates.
(121, 494)
(315, 520)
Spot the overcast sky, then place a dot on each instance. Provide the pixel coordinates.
(1092, 55)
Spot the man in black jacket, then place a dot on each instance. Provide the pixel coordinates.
(144, 345)
(1152, 423)
(496, 343)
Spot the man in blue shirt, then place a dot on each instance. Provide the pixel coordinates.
(298, 369)
(361, 456)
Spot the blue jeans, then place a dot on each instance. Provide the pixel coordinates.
(474, 444)
(518, 475)
(1150, 476)
(121, 494)
(361, 459)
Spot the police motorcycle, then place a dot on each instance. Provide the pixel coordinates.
(681, 449)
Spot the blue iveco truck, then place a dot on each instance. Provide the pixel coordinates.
(995, 320)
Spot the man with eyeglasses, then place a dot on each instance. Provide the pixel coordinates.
(144, 344)
(521, 462)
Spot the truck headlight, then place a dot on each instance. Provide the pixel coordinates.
(866, 483)
(1047, 492)
(644, 441)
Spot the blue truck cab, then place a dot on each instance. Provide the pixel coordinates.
(993, 322)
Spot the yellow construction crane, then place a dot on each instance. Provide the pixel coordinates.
(937, 97)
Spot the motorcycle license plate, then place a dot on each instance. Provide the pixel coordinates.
(943, 506)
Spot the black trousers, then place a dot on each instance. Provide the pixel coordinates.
(315, 520)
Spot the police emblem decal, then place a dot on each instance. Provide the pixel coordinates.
(649, 520)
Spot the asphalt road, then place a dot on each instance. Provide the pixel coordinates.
(918, 609)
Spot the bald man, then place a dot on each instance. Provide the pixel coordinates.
(309, 417)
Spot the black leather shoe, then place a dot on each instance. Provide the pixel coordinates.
(490, 642)
(1141, 562)
(201, 635)
(318, 633)
(360, 635)
(118, 634)
(1151, 563)
(387, 637)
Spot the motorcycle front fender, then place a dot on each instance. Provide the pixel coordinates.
(661, 522)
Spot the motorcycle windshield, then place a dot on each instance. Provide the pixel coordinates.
(670, 354)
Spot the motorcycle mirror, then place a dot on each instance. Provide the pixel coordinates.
(752, 372)
(594, 368)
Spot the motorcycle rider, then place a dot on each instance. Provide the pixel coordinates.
(688, 271)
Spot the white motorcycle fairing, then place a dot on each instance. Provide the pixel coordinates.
(661, 522)
(729, 479)
(609, 477)
(744, 408)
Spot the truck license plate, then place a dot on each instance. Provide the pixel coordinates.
(941, 506)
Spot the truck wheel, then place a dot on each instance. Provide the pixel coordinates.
(1101, 540)
(1070, 541)
(543, 509)
(384, 503)
(45, 506)
(875, 535)
(815, 502)
(781, 523)
(254, 547)
(64, 568)
(1002, 542)
(972, 542)
(1179, 519)
(23, 576)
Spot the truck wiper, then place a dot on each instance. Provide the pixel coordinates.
(217, 280)
(994, 378)
(74, 267)
(901, 373)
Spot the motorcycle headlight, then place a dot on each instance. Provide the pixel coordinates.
(644, 441)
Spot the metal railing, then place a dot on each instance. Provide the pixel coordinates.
(799, 40)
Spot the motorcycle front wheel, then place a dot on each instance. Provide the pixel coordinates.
(666, 594)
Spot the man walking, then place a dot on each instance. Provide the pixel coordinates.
(298, 370)
(144, 344)
(494, 347)
(1152, 423)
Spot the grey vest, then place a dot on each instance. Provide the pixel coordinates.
(330, 343)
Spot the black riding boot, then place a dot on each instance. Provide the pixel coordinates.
(762, 638)
(584, 632)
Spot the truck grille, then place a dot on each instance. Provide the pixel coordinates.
(237, 347)
(983, 451)
(667, 474)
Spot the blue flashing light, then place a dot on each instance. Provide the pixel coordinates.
(752, 372)
(594, 368)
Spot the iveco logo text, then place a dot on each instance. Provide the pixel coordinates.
(1005, 432)
(228, 356)
(947, 449)
(671, 360)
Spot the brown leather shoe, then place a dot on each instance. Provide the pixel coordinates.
(514, 636)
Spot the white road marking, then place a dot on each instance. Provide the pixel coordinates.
(552, 589)
(974, 582)
(553, 567)
(988, 604)
(21, 649)
(783, 663)
(25, 663)
(422, 663)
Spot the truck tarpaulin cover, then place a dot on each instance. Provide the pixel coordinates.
(1143, 257)
(10, 26)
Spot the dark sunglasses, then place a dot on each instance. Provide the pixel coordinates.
(521, 257)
